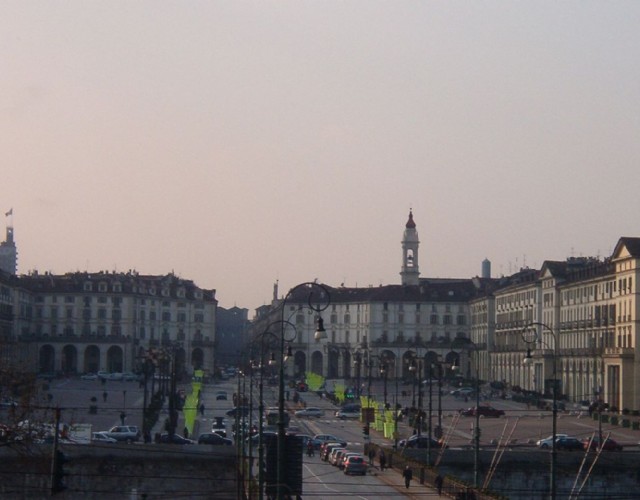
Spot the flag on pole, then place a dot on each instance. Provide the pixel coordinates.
(10, 212)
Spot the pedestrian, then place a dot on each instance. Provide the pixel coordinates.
(383, 460)
(123, 415)
(407, 474)
(372, 455)
(202, 409)
(439, 482)
(104, 397)
(186, 433)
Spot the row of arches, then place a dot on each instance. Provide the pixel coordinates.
(71, 360)
(340, 363)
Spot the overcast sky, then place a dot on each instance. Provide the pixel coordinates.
(239, 143)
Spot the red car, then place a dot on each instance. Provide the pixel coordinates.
(609, 444)
(483, 411)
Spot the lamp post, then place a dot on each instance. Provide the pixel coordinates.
(313, 290)
(384, 372)
(531, 336)
(476, 433)
(413, 368)
(357, 364)
(395, 427)
(266, 336)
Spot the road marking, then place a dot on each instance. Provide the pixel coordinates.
(327, 486)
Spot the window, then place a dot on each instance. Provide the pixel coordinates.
(166, 316)
(102, 313)
(199, 317)
(69, 312)
(69, 299)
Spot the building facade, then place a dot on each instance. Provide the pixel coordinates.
(87, 322)
(578, 319)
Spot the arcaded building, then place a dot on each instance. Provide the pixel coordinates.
(86, 322)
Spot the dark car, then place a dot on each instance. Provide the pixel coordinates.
(175, 439)
(242, 410)
(568, 443)
(419, 442)
(214, 439)
(483, 411)
(609, 444)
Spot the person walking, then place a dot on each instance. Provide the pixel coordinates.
(383, 460)
(372, 455)
(407, 474)
(202, 410)
(439, 482)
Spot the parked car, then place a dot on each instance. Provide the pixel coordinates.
(126, 433)
(214, 439)
(8, 403)
(115, 376)
(102, 438)
(130, 377)
(348, 414)
(346, 455)
(310, 412)
(609, 444)
(483, 411)
(568, 443)
(327, 448)
(419, 442)
(336, 454)
(221, 396)
(89, 376)
(329, 437)
(462, 392)
(546, 442)
(175, 439)
(355, 465)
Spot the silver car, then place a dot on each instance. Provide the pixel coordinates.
(310, 412)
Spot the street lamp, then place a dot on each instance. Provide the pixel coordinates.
(384, 372)
(357, 364)
(265, 336)
(531, 336)
(313, 290)
(476, 434)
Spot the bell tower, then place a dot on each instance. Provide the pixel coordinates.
(410, 272)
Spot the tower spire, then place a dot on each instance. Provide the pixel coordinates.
(410, 271)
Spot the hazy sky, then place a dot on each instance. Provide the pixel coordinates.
(237, 143)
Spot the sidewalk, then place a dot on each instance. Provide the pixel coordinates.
(393, 477)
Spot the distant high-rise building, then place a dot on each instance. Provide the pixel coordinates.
(486, 268)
